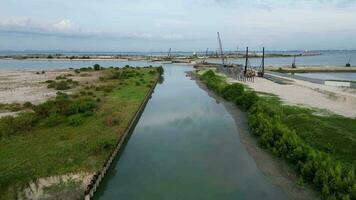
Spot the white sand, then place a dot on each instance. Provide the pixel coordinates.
(22, 86)
(337, 100)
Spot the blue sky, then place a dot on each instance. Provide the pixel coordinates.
(186, 25)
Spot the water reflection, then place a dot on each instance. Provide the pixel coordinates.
(186, 146)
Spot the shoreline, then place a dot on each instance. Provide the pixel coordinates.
(311, 69)
(277, 170)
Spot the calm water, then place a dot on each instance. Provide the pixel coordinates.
(65, 64)
(185, 146)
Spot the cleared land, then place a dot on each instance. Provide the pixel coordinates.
(326, 99)
(54, 147)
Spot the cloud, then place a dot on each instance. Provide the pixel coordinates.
(65, 28)
(64, 25)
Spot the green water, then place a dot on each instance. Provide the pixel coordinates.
(185, 146)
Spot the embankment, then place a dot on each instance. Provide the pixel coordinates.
(99, 175)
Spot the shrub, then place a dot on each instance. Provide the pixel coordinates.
(53, 120)
(27, 104)
(160, 70)
(25, 121)
(60, 77)
(75, 120)
(63, 84)
(82, 105)
(102, 144)
(248, 99)
(233, 91)
(96, 67)
(7, 126)
(43, 110)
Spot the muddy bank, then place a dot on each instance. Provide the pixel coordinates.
(278, 171)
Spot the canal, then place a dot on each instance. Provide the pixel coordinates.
(185, 146)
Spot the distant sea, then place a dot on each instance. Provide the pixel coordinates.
(332, 58)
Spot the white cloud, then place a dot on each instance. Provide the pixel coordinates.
(64, 25)
(66, 28)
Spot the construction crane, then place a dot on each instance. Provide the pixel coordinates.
(348, 64)
(169, 53)
(221, 50)
(206, 55)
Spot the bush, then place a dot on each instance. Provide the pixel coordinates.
(27, 104)
(233, 91)
(102, 144)
(75, 120)
(10, 125)
(83, 105)
(53, 120)
(7, 127)
(62, 85)
(160, 70)
(96, 67)
(247, 100)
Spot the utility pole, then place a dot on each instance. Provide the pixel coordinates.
(246, 62)
(263, 61)
(293, 65)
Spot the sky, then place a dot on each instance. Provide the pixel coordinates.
(185, 25)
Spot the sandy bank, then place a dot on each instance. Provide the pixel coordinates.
(341, 101)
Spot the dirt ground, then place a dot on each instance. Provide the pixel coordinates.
(341, 101)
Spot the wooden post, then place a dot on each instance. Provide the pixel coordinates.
(246, 61)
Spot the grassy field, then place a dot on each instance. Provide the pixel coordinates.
(79, 142)
(321, 146)
(329, 133)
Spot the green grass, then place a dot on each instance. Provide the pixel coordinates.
(330, 133)
(47, 151)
